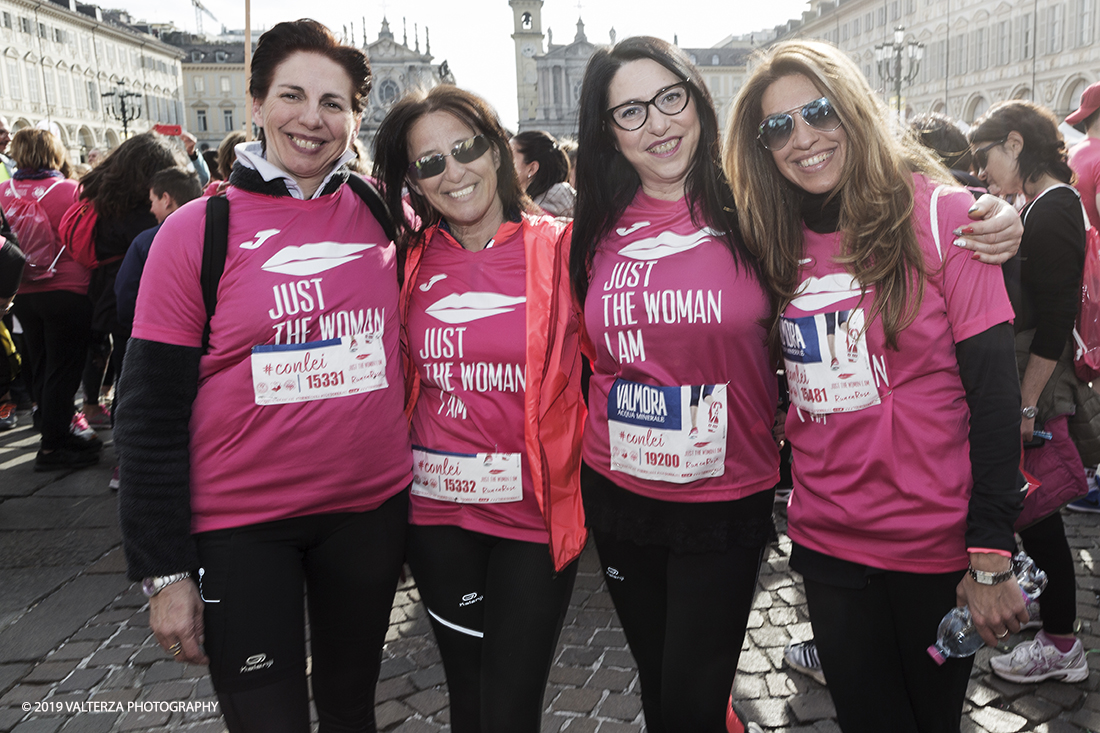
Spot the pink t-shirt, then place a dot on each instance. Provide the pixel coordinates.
(681, 360)
(70, 275)
(467, 338)
(296, 272)
(886, 480)
(1084, 159)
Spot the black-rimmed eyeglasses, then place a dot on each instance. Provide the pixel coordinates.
(672, 100)
(775, 131)
(981, 155)
(466, 151)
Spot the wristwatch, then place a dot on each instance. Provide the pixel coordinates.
(1029, 413)
(984, 577)
(153, 585)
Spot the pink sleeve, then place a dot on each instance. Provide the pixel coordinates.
(169, 305)
(974, 292)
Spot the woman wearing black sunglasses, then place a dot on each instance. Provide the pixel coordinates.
(1018, 150)
(905, 459)
(493, 377)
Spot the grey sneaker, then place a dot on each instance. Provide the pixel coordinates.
(802, 656)
(1038, 660)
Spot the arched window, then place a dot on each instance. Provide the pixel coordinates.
(388, 92)
(525, 21)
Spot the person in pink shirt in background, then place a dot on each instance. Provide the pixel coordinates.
(1084, 157)
(906, 458)
(54, 309)
(492, 346)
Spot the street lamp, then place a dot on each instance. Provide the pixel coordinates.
(889, 56)
(122, 112)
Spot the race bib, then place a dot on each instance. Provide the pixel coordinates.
(674, 434)
(828, 367)
(318, 370)
(467, 478)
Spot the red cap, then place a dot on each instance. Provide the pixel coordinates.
(1090, 102)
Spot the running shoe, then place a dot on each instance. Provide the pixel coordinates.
(835, 364)
(80, 427)
(1089, 503)
(802, 656)
(7, 416)
(693, 434)
(735, 723)
(1039, 659)
(115, 482)
(101, 419)
(64, 458)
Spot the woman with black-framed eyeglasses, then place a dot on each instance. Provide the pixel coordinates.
(679, 455)
(492, 348)
(905, 458)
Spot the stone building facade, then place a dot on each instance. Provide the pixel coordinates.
(549, 75)
(60, 58)
(976, 52)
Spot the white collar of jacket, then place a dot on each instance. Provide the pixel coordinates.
(251, 155)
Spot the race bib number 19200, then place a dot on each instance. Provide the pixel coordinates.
(674, 434)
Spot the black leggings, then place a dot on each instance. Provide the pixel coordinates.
(1045, 542)
(497, 608)
(684, 615)
(873, 646)
(251, 579)
(56, 328)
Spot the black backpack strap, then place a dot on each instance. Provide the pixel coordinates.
(215, 245)
(374, 201)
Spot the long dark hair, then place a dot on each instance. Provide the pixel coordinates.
(391, 151)
(537, 145)
(607, 182)
(120, 183)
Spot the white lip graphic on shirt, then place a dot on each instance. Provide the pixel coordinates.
(309, 259)
(666, 244)
(818, 293)
(466, 307)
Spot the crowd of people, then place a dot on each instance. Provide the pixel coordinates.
(480, 348)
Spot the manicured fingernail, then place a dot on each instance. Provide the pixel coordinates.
(975, 256)
(974, 207)
(959, 243)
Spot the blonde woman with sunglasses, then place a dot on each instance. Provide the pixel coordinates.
(493, 381)
(905, 458)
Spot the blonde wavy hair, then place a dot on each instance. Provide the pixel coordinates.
(879, 246)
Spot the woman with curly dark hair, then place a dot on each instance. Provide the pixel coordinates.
(118, 188)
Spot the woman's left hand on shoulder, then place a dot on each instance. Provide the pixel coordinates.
(995, 234)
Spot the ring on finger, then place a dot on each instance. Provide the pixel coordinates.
(1001, 636)
(176, 649)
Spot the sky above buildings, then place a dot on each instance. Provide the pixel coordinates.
(475, 36)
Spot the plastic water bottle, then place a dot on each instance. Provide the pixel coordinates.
(958, 637)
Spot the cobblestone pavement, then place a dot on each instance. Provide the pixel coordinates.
(76, 653)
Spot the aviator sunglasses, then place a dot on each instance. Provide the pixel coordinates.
(466, 151)
(775, 131)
